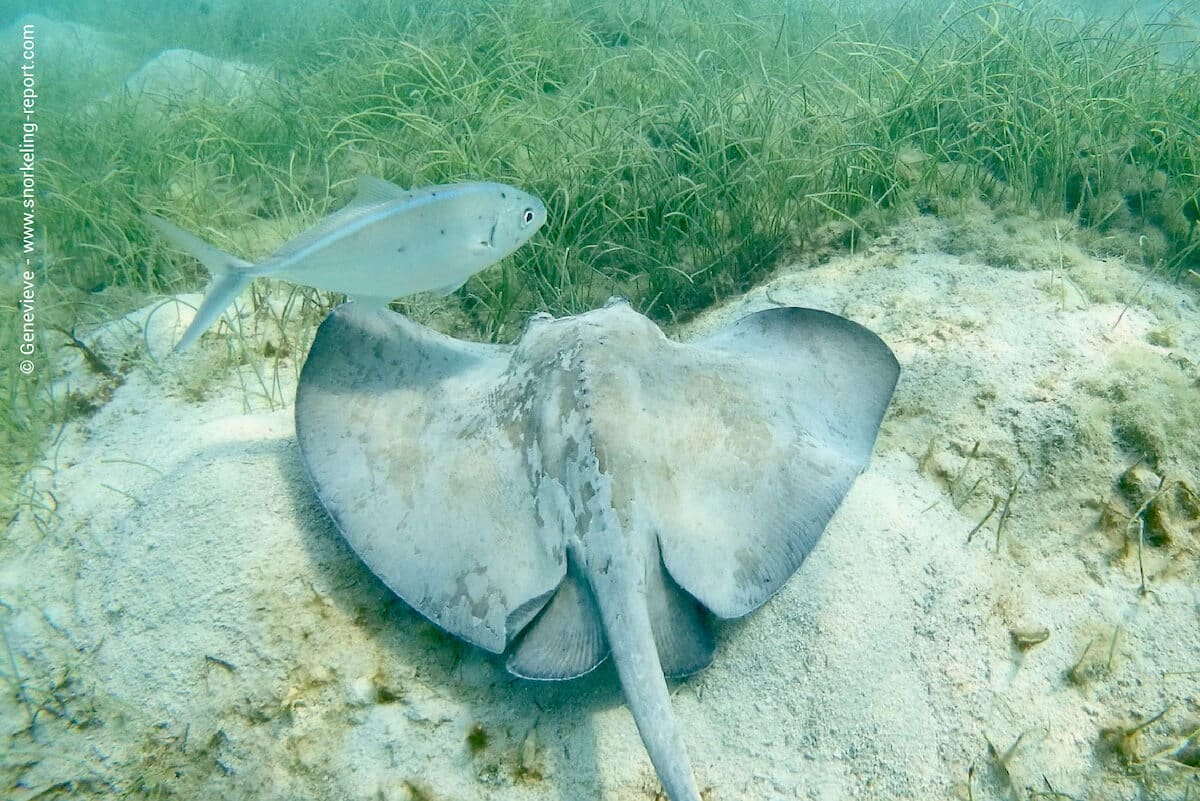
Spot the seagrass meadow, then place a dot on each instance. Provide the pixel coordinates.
(1008, 193)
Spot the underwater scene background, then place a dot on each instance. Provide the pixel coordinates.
(1007, 193)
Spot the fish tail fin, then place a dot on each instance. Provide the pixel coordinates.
(217, 261)
(225, 289)
(230, 275)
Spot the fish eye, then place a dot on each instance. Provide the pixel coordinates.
(527, 216)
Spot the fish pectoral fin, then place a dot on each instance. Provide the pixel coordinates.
(488, 242)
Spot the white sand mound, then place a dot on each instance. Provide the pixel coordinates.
(180, 73)
(98, 63)
(182, 619)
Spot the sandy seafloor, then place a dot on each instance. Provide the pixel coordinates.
(185, 622)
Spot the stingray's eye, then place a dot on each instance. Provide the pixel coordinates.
(527, 216)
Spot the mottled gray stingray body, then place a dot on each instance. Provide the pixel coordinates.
(585, 491)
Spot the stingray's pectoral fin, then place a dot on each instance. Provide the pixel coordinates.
(565, 641)
(414, 512)
(795, 397)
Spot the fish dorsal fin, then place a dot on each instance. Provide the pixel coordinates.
(371, 194)
(372, 190)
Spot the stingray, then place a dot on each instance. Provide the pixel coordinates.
(591, 490)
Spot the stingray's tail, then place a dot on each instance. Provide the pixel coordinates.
(626, 616)
(230, 276)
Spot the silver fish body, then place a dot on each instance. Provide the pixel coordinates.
(386, 243)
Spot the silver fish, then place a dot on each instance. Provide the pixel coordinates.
(386, 243)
